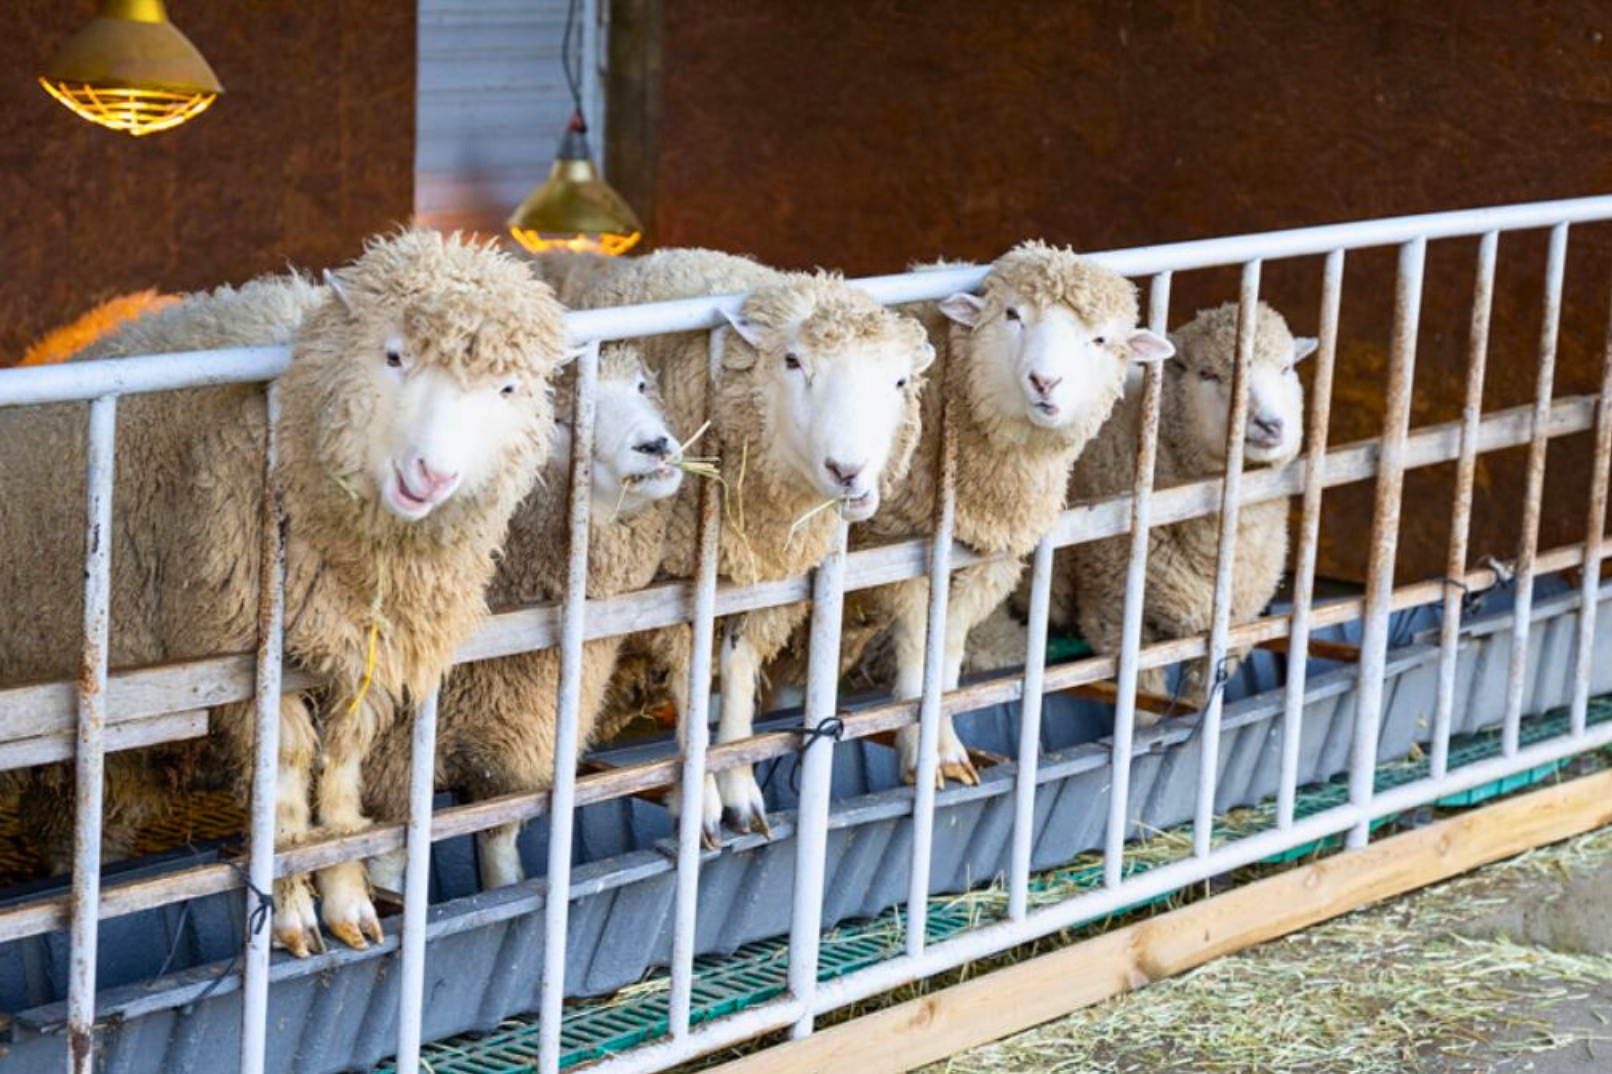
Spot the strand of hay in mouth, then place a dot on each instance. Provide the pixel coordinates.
(794, 527)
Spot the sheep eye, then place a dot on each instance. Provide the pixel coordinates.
(394, 358)
(902, 383)
(1100, 340)
(791, 360)
(1011, 314)
(643, 386)
(1209, 375)
(507, 390)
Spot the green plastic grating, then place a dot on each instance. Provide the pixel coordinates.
(758, 972)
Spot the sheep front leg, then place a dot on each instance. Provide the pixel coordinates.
(908, 629)
(347, 910)
(671, 650)
(296, 926)
(743, 806)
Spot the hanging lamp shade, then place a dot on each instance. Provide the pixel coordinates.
(574, 208)
(131, 69)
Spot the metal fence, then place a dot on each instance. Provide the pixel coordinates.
(82, 719)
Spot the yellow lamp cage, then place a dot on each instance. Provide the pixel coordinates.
(574, 208)
(131, 70)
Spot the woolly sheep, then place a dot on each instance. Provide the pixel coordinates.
(497, 718)
(1033, 366)
(415, 415)
(816, 402)
(1089, 579)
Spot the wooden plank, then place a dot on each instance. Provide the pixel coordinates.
(1107, 692)
(128, 735)
(1028, 994)
(1320, 649)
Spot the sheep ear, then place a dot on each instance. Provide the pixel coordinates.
(1145, 346)
(747, 329)
(1304, 346)
(963, 309)
(570, 354)
(925, 358)
(339, 289)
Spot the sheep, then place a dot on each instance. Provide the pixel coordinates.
(496, 726)
(1033, 366)
(1089, 579)
(816, 402)
(415, 415)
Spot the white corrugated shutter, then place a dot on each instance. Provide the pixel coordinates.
(493, 103)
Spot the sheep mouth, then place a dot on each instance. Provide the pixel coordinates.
(1262, 443)
(858, 508)
(1045, 414)
(405, 502)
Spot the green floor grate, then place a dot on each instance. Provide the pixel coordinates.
(758, 972)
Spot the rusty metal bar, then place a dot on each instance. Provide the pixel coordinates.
(266, 746)
(1594, 540)
(1528, 546)
(562, 798)
(1461, 510)
(1385, 534)
(1225, 565)
(695, 728)
(1147, 453)
(1309, 539)
(100, 467)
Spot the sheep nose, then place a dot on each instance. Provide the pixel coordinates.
(1044, 385)
(844, 473)
(660, 447)
(1269, 427)
(435, 480)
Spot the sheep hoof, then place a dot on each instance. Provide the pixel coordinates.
(347, 910)
(960, 770)
(743, 807)
(296, 926)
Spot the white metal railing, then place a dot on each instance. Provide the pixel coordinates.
(56, 721)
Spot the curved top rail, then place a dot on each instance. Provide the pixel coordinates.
(148, 373)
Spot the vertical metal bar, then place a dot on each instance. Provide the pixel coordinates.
(934, 686)
(1147, 453)
(1538, 448)
(266, 759)
(696, 731)
(1466, 469)
(1385, 534)
(1035, 667)
(817, 766)
(1590, 585)
(1220, 626)
(416, 887)
(562, 799)
(86, 902)
(1298, 649)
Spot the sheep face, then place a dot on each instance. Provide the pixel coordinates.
(835, 385)
(1049, 342)
(430, 366)
(635, 454)
(1202, 380)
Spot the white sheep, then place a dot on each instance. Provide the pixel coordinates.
(1032, 367)
(415, 415)
(1089, 579)
(496, 725)
(816, 403)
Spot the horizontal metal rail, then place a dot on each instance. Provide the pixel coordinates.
(46, 711)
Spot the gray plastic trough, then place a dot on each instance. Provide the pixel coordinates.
(168, 1002)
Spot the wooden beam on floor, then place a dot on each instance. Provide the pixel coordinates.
(1019, 997)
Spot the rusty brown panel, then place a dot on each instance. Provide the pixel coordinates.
(865, 133)
(310, 149)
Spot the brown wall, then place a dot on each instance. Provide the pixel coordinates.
(866, 133)
(310, 149)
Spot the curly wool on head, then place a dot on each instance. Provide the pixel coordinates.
(1050, 275)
